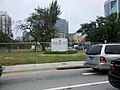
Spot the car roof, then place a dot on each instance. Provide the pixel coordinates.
(107, 44)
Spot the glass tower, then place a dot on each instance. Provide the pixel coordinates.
(110, 7)
(62, 26)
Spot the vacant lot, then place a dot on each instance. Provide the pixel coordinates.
(30, 57)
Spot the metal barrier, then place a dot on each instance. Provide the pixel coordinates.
(31, 52)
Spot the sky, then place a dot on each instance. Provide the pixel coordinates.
(76, 12)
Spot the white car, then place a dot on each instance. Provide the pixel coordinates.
(99, 56)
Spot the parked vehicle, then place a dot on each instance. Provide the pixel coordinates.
(114, 73)
(99, 56)
(0, 70)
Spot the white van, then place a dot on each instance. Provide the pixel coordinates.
(99, 56)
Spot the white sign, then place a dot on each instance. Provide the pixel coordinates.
(59, 44)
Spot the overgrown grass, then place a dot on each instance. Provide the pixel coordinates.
(29, 57)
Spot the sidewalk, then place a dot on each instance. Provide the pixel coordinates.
(46, 66)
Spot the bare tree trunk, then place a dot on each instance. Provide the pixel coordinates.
(35, 50)
(43, 46)
(9, 48)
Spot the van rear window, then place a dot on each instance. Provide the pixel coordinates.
(112, 49)
(94, 50)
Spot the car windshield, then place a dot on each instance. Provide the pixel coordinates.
(112, 49)
(94, 50)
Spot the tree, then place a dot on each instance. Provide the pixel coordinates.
(104, 28)
(87, 27)
(42, 23)
(4, 38)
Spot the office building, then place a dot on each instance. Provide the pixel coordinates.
(5, 23)
(110, 6)
(62, 27)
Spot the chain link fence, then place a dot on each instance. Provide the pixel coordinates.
(27, 53)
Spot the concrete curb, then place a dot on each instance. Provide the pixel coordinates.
(57, 68)
(70, 67)
(28, 70)
(46, 66)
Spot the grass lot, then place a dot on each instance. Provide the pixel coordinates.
(28, 57)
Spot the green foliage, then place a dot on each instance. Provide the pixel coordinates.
(42, 23)
(87, 27)
(61, 52)
(104, 28)
(4, 38)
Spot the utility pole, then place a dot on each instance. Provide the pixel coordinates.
(1, 23)
(117, 10)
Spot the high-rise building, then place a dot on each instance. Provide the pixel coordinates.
(5, 23)
(110, 7)
(62, 27)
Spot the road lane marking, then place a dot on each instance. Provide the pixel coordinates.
(80, 85)
(94, 73)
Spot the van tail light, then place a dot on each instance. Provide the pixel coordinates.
(112, 67)
(102, 59)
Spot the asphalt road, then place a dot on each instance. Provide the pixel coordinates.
(79, 79)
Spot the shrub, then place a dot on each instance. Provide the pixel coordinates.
(61, 52)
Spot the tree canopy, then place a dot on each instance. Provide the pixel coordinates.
(104, 28)
(4, 38)
(42, 22)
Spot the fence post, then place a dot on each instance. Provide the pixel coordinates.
(36, 53)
